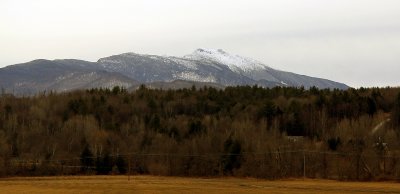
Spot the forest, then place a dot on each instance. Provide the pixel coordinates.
(243, 131)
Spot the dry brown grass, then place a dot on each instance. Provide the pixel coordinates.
(154, 184)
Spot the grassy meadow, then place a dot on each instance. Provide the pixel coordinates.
(159, 184)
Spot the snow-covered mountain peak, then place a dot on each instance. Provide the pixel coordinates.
(235, 62)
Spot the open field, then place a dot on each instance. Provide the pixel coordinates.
(154, 184)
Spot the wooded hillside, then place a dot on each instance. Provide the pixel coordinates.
(240, 131)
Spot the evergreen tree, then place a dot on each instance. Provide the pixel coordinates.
(104, 164)
(121, 164)
(86, 159)
(396, 113)
(232, 158)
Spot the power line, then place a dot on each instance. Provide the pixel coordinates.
(140, 154)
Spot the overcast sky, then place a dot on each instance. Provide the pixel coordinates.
(352, 41)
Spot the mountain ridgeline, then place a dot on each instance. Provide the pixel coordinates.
(210, 67)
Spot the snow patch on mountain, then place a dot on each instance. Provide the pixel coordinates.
(192, 76)
(235, 62)
(64, 77)
(185, 63)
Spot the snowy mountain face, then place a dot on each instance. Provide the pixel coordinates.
(236, 63)
(241, 65)
(213, 67)
(151, 68)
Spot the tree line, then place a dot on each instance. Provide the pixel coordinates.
(237, 131)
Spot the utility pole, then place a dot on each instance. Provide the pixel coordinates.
(129, 168)
(304, 164)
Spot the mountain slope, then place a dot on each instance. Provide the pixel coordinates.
(209, 65)
(58, 75)
(261, 72)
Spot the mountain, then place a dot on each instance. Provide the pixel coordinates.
(211, 67)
